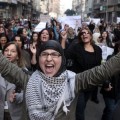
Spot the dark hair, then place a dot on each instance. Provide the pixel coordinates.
(51, 30)
(32, 36)
(39, 35)
(20, 61)
(20, 31)
(108, 41)
(7, 25)
(4, 35)
(3, 29)
(21, 39)
(50, 35)
(80, 33)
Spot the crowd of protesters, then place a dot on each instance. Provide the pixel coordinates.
(21, 45)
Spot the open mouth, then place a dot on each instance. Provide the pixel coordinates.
(49, 68)
(44, 38)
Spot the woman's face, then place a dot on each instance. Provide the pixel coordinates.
(25, 32)
(66, 27)
(3, 41)
(11, 53)
(50, 62)
(85, 36)
(18, 41)
(104, 35)
(44, 36)
(2, 30)
(35, 37)
(71, 31)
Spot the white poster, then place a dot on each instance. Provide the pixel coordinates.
(118, 19)
(106, 51)
(40, 26)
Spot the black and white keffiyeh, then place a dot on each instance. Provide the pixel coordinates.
(44, 95)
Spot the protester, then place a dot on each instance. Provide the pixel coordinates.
(44, 35)
(91, 26)
(3, 40)
(96, 35)
(105, 40)
(116, 32)
(34, 38)
(80, 53)
(111, 90)
(23, 33)
(9, 31)
(51, 91)
(2, 30)
(11, 100)
(25, 54)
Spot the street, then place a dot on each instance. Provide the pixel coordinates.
(93, 110)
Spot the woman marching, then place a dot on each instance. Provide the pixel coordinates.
(51, 92)
(11, 95)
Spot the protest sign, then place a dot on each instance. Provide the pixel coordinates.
(106, 51)
(40, 26)
(118, 19)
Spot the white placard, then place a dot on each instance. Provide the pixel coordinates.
(118, 19)
(106, 51)
(40, 26)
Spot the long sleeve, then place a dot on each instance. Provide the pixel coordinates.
(98, 74)
(12, 72)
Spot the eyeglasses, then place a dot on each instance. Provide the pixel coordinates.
(53, 55)
(82, 33)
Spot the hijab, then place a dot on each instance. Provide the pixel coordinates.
(54, 45)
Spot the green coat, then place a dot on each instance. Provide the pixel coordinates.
(83, 80)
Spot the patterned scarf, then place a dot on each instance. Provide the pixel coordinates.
(44, 95)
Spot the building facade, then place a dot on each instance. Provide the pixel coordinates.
(108, 10)
(76, 6)
(89, 8)
(54, 8)
(12, 8)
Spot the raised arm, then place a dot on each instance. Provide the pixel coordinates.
(33, 50)
(97, 75)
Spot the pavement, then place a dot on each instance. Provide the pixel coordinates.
(94, 111)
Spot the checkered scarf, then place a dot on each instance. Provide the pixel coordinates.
(44, 95)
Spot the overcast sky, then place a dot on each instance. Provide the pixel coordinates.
(68, 4)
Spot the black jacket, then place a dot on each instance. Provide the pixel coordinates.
(80, 59)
